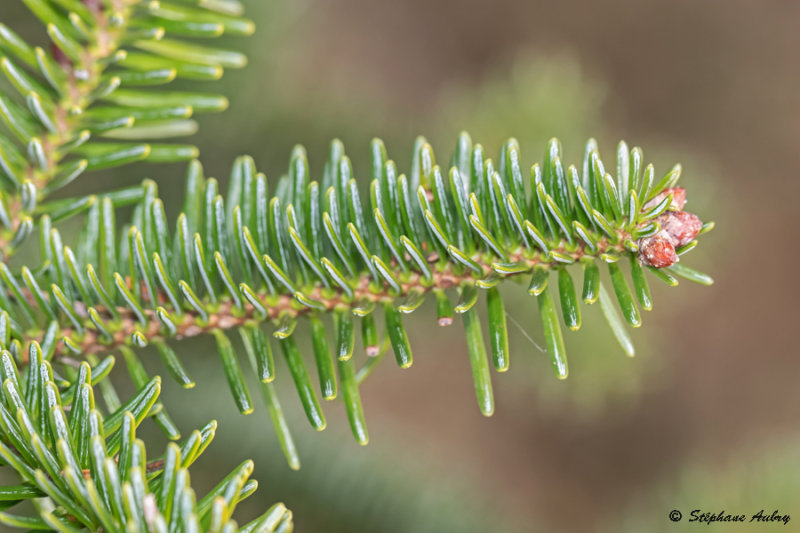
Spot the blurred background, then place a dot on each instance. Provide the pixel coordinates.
(704, 417)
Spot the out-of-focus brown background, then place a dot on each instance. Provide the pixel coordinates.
(704, 417)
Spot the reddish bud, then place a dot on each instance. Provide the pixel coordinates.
(682, 227)
(678, 228)
(657, 251)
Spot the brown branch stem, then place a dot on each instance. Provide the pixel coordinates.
(225, 315)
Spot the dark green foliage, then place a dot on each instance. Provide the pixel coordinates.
(101, 97)
(82, 468)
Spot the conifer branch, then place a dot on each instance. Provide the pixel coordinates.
(92, 85)
(249, 259)
(227, 316)
(82, 469)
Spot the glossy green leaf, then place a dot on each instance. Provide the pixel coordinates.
(468, 297)
(498, 331)
(444, 309)
(260, 351)
(386, 274)
(345, 335)
(615, 321)
(664, 276)
(200, 102)
(398, 337)
(280, 424)
(624, 295)
(352, 401)
(538, 282)
(537, 237)
(233, 25)
(12, 42)
(640, 284)
(552, 334)
(591, 283)
(416, 257)
(233, 373)
(690, 274)
(170, 360)
(369, 335)
(669, 180)
(479, 362)
(464, 260)
(117, 155)
(286, 327)
(570, 309)
(657, 209)
(302, 382)
(323, 355)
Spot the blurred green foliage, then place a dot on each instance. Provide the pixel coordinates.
(534, 98)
